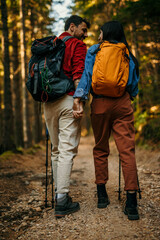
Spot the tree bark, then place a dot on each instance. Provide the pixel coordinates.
(8, 134)
(17, 86)
(134, 40)
(1, 120)
(37, 106)
(26, 115)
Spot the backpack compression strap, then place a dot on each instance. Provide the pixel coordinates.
(65, 39)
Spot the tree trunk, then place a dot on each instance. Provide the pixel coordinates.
(1, 99)
(8, 134)
(1, 119)
(37, 106)
(26, 115)
(134, 40)
(17, 85)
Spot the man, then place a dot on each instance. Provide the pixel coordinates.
(63, 128)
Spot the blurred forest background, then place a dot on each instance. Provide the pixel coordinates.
(21, 118)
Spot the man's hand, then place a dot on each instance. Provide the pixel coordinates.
(77, 108)
(76, 83)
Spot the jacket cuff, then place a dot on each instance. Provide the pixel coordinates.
(79, 93)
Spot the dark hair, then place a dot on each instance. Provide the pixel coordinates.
(113, 31)
(76, 20)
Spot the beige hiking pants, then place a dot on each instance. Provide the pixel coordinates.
(64, 131)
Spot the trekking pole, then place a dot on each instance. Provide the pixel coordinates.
(139, 190)
(119, 190)
(47, 137)
(52, 179)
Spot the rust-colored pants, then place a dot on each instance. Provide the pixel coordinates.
(116, 115)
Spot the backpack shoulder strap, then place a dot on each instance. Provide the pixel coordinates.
(65, 39)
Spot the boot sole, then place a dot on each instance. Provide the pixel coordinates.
(59, 214)
(103, 205)
(131, 217)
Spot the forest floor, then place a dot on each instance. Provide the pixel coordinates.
(22, 192)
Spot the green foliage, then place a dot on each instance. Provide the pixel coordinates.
(6, 155)
(140, 120)
(33, 150)
(151, 131)
(38, 12)
(37, 146)
(147, 126)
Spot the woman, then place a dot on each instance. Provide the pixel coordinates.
(110, 114)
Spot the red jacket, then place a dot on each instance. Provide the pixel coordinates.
(74, 57)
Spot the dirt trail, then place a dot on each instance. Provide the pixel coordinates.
(23, 216)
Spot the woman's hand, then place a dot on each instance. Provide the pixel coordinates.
(77, 108)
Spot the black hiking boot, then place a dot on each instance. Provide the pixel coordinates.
(131, 206)
(65, 207)
(103, 200)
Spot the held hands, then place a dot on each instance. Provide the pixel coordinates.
(77, 108)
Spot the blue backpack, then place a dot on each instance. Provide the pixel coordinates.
(133, 79)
